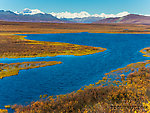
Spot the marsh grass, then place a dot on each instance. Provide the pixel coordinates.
(130, 94)
(11, 69)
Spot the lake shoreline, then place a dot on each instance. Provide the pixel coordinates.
(59, 30)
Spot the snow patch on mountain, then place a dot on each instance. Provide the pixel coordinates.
(67, 14)
(111, 15)
(86, 14)
(71, 15)
(28, 11)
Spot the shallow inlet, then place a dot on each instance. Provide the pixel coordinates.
(76, 71)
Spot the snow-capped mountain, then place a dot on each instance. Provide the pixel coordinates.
(103, 15)
(82, 17)
(29, 16)
(28, 11)
(84, 14)
(71, 15)
(66, 14)
(35, 15)
(85, 17)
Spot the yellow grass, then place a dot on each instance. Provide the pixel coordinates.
(3, 111)
(11, 69)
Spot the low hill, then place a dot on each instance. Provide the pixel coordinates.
(129, 19)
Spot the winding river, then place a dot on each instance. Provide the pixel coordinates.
(75, 71)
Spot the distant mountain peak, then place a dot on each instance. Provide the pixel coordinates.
(35, 15)
(67, 14)
(128, 19)
(28, 15)
(135, 15)
(84, 14)
(7, 12)
(28, 11)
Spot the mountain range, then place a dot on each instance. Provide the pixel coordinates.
(26, 16)
(35, 15)
(83, 20)
(129, 19)
(85, 17)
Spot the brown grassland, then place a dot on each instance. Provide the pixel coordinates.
(14, 46)
(129, 92)
(35, 28)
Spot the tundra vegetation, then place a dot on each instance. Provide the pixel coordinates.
(14, 68)
(3, 111)
(15, 46)
(123, 90)
(146, 52)
(12, 46)
(35, 28)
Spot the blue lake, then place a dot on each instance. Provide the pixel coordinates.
(75, 71)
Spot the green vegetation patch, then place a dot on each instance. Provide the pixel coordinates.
(14, 68)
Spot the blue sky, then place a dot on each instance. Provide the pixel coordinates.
(91, 6)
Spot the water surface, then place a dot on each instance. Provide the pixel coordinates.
(75, 71)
